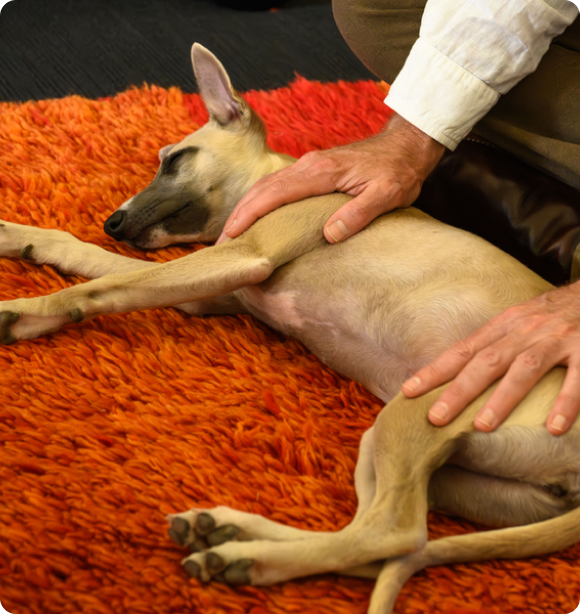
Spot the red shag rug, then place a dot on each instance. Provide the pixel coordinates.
(107, 426)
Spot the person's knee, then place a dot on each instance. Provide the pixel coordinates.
(379, 32)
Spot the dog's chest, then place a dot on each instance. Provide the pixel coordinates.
(279, 309)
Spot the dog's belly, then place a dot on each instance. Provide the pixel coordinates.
(330, 330)
(378, 338)
(367, 309)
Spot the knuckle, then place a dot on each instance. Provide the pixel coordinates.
(529, 361)
(277, 188)
(463, 351)
(533, 323)
(511, 313)
(358, 216)
(573, 371)
(263, 181)
(568, 404)
(433, 373)
(456, 394)
(490, 357)
(322, 165)
(565, 330)
(310, 156)
(394, 191)
(551, 345)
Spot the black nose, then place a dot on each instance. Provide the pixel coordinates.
(115, 225)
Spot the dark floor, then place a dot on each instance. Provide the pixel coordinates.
(97, 48)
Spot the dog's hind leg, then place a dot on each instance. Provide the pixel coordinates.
(407, 449)
(201, 528)
(496, 501)
(512, 543)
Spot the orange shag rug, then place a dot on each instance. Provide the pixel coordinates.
(107, 426)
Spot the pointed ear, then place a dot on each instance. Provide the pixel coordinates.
(221, 100)
(164, 151)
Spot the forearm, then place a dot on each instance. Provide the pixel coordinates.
(468, 54)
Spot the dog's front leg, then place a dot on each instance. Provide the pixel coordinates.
(272, 241)
(72, 256)
(68, 254)
(208, 273)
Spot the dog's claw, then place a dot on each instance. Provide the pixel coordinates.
(238, 573)
(179, 531)
(222, 535)
(205, 524)
(7, 318)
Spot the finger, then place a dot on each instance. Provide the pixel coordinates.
(449, 364)
(567, 405)
(485, 368)
(302, 180)
(252, 193)
(524, 373)
(357, 214)
(262, 183)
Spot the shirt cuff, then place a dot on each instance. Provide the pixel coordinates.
(438, 96)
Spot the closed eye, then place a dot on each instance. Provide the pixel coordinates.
(168, 165)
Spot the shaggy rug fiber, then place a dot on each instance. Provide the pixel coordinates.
(107, 426)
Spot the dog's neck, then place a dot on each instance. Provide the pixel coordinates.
(270, 162)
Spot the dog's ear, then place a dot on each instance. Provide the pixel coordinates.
(222, 102)
(164, 151)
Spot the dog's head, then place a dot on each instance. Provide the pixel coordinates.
(201, 178)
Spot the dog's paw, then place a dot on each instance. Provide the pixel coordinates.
(16, 240)
(31, 243)
(223, 567)
(199, 530)
(241, 548)
(28, 319)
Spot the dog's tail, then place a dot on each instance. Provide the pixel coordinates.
(511, 543)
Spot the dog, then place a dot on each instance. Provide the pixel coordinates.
(376, 308)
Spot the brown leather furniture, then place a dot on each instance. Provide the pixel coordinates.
(525, 212)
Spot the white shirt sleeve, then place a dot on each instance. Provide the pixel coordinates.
(469, 52)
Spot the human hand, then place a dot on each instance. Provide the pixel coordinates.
(382, 173)
(521, 344)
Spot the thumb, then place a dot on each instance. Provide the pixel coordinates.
(355, 215)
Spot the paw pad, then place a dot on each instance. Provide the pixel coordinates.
(179, 531)
(205, 523)
(26, 252)
(192, 569)
(7, 318)
(76, 315)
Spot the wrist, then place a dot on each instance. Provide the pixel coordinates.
(423, 149)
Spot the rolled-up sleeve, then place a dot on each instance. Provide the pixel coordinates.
(469, 52)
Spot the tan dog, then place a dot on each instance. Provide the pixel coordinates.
(376, 308)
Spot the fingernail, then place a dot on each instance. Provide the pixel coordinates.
(412, 384)
(440, 411)
(487, 418)
(231, 226)
(337, 230)
(559, 423)
(221, 238)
